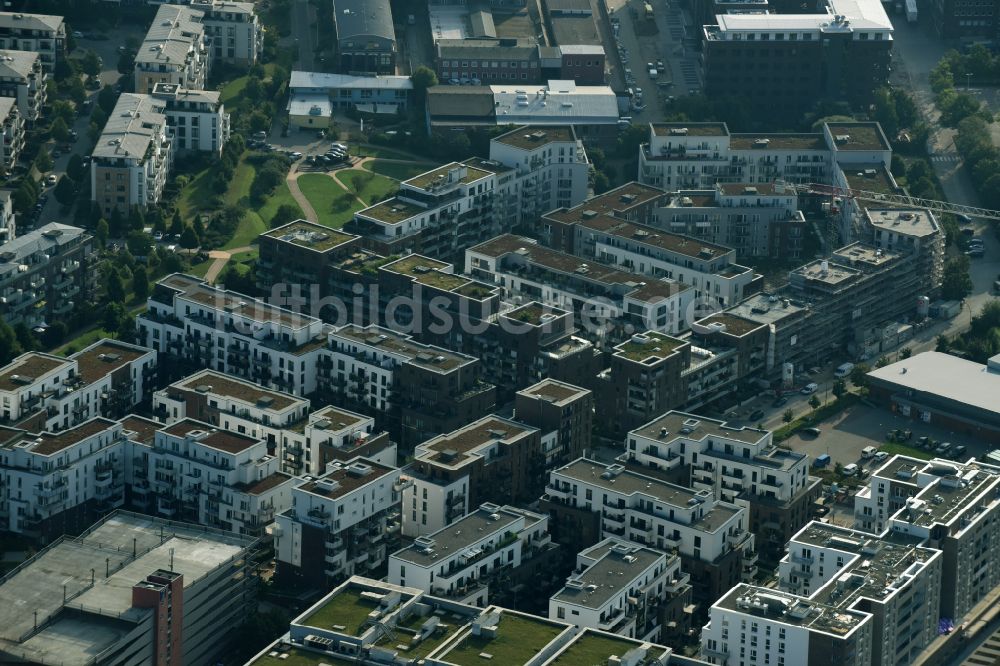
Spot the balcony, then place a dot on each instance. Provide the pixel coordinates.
(675, 586)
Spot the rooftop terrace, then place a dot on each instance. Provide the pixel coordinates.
(448, 174)
(217, 383)
(529, 138)
(858, 136)
(27, 368)
(690, 129)
(792, 610)
(518, 639)
(649, 347)
(309, 235)
(694, 427)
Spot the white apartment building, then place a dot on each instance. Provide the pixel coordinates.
(197, 118)
(463, 560)
(42, 33)
(23, 78)
(232, 333)
(8, 221)
(12, 132)
(192, 471)
(42, 392)
(339, 522)
(49, 481)
(952, 507)
(232, 31)
(915, 232)
(133, 156)
(334, 434)
(617, 587)
(709, 534)
(173, 51)
(891, 576)
(757, 627)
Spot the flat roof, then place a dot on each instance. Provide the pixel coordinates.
(615, 569)
(261, 486)
(426, 356)
(858, 136)
(554, 391)
(860, 15)
(958, 488)
(335, 418)
(39, 584)
(15, 64)
(455, 447)
(232, 302)
(689, 129)
(357, 19)
(518, 639)
(790, 609)
(826, 272)
(558, 102)
(223, 440)
(27, 368)
(870, 177)
(628, 482)
(734, 324)
(444, 175)
(529, 137)
(761, 308)
(51, 443)
(615, 202)
(649, 345)
(302, 79)
(143, 429)
(597, 647)
(217, 383)
(462, 534)
(692, 426)
(392, 211)
(49, 239)
(944, 376)
(688, 246)
(916, 222)
(346, 477)
(24, 21)
(105, 356)
(310, 235)
(780, 141)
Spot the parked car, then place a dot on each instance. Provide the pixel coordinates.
(880, 456)
(821, 460)
(52, 179)
(337, 144)
(868, 452)
(943, 448)
(780, 401)
(757, 415)
(810, 388)
(158, 236)
(813, 432)
(850, 470)
(295, 155)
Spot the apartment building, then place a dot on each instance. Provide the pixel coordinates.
(913, 232)
(202, 326)
(620, 588)
(212, 477)
(440, 213)
(951, 506)
(23, 79)
(736, 464)
(12, 131)
(764, 626)
(477, 558)
(415, 390)
(493, 459)
(41, 33)
(892, 576)
(233, 33)
(174, 51)
(155, 577)
(133, 156)
(8, 223)
(45, 273)
(332, 434)
(198, 120)
(604, 299)
(560, 408)
(755, 220)
(339, 522)
(51, 483)
(710, 535)
(841, 52)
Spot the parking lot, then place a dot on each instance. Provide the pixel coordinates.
(846, 434)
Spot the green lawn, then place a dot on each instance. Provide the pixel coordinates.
(379, 151)
(197, 195)
(296, 657)
(594, 650)
(322, 192)
(278, 198)
(199, 270)
(347, 609)
(893, 448)
(371, 187)
(517, 640)
(398, 170)
(81, 341)
(232, 93)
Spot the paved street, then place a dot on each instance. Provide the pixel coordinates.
(304, 34)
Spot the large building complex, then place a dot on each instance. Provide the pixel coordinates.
(41, 33)
(125, 587)
(174, 51)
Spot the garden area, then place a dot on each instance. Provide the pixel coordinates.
(334, 205)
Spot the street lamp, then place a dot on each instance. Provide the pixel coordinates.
(968, 77)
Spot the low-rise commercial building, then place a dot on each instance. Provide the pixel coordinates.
(133, 155)
(45, 273)
(620, 588)
(366, 40)
(23, 79)
(478, 558)
(313, 97)
(122, 587)
(738, 465)
(173, 51)
(339, 522)
(41, 33)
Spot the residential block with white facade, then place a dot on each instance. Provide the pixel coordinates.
(173, 51)
(23, 78)
(12, 132)
(197, 118)
(233, 32)
(42, 33)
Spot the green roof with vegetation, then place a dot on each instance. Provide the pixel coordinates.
(657, 345)
(594, 650)
(347, 612)
(518, 639)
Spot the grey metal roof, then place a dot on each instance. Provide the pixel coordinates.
(51, 235)
(22, 21)
(174, 32)
(358, 18)
(131, 127)
(14, 64)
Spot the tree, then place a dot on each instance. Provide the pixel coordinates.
(140, 283)
(116, 319)
(199, 226)
(74, 88)
(898, 166)
(286, 213)
(258, 121)
(254, 89)
(65, 191)
(882, 362)
(114, 287)
(139, 243)
(189, 239)
(43, 161)
(91, 63)
(991, 190)
(943, 344)
(176, 224)
(905, 353)
(859, 375)
(814, 402)
(126, 62)
(106, 99)
(956, 283)
(101, 232)
(788, 416)
(63, 109)
(54, 334)
(75, 168)
(839, 388)
(423, 77)
(9, 346)
(25, 337)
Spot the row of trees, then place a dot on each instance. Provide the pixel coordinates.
(955, 106)
(981, 341)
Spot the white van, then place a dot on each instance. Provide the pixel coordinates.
(843, 370)
(850, 470)
(809, 388)
(868, 452)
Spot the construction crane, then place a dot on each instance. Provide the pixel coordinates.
(895, 200)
